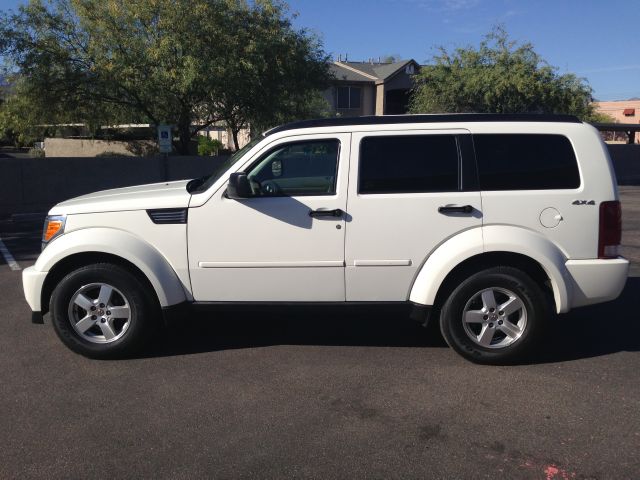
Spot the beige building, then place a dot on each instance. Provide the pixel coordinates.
(224, 136)
(622, 111)
(371, 88)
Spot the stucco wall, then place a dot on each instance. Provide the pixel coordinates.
(74, 147)
(400, 80)
(616, 110)
(380, 99)
(368, 100)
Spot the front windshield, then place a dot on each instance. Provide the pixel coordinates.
(205, 182)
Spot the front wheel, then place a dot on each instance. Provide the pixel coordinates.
(102, 311)
(495, 316)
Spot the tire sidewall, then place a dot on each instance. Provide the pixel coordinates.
(116, 277)
(451, 320)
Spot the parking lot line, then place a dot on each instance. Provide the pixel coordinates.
(13, 265)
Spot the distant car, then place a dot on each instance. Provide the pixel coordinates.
(486, 223)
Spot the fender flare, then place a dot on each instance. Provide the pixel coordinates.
(493, 238)
(154, 266)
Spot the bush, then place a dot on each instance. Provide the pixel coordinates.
(36, 152)
(208, 146)
(110, 154)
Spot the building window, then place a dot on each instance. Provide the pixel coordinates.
(629, 112)
(348, 97)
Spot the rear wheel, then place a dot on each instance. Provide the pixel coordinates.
(102, 311)
(495, 316)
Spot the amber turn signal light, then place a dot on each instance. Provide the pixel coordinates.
(53, 226)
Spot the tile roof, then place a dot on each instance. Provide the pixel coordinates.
(341, 73)
(366, 70)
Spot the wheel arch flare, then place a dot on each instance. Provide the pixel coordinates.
(493, 245)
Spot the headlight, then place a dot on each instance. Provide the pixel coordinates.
(53, 226)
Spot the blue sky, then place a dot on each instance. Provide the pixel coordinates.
(595, 39)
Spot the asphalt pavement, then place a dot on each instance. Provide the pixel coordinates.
(310, 396)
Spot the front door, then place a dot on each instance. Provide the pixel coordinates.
(286, 243)
(408, 193)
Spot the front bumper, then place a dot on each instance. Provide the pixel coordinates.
(596, 281)
(32, 281)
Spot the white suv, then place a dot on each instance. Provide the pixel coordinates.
(486, 223)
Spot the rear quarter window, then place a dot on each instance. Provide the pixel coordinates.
(526, 162)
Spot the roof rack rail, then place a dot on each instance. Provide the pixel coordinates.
(422, 118)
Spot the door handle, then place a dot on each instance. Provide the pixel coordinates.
(326, 213)
(466, 209)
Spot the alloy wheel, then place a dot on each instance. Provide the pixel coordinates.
(99, 313)
(494, 318)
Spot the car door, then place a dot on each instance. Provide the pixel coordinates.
(408, 193)
(285, 243)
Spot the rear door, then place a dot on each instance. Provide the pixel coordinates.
(408, 192)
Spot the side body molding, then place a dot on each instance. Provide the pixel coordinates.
(161, 275)
(493, 238)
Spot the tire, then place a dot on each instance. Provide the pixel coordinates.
(474, 324)
(102, 311)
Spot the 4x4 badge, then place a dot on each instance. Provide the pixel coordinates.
(583, 202)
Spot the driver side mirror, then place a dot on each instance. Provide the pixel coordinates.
(239, 186)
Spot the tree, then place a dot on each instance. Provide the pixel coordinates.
(25, 117)
(500, 76)
(601, 117)
(274, 73)
(393, 58)
(188, 63)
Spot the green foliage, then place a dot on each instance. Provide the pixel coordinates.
(22, 121)
(177, 62)
(391, 58)
(599, 117)
(312, 105)
(36, 152)
(275, 72)
(109, 154)
(208, 146)
(500, 76)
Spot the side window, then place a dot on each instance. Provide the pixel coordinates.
(526, 162)
(408, 164)
(295, 169)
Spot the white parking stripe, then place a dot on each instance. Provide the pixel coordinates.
(13, 265)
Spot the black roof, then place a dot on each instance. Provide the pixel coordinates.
(434, 118)
(617, 127)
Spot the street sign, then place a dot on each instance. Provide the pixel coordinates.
(165, 139)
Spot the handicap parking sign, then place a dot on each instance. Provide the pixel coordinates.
(164, 138)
